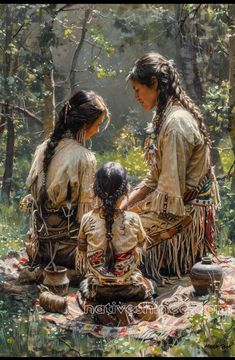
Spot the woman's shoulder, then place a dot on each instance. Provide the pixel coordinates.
(75, 151)
(183, 122)
(180, 115)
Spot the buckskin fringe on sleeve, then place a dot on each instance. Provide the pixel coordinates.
(162, 202)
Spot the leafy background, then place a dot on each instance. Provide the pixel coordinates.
(50, 50)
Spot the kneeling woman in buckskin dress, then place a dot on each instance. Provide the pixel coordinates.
(60, 181)
(178, 198)
(110, 244)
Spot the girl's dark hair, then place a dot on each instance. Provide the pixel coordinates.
(168, 80)
(110, 183)
(83, 108)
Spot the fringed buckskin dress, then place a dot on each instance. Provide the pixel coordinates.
(55, 225)
(116, 278)
(178, 198)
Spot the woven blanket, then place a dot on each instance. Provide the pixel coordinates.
(176, 303)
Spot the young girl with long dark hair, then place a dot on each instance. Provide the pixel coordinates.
(111, 242)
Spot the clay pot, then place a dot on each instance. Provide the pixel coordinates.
(56, 280)
(206, 276)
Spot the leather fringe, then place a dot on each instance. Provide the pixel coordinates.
(177, 255)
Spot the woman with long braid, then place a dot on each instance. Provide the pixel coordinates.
(177, 200)
(60, 181)
(111, 242)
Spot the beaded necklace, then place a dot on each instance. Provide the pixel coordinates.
(153, 131)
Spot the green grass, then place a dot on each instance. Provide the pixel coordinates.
(13, 229)
(22, 334)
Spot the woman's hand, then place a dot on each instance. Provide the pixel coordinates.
(123, 205)
(135, 209)
(135, 196)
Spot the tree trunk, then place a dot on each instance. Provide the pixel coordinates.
(49, 100)
(2, 124)
(7, 112)
(48, 72)
(189, 49)
(87, 18)
(188, 54)
(232, 85)
(8, 168)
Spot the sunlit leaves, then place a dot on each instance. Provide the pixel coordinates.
(98, 37)
(102, 72)
(68, 32)
(12, 49)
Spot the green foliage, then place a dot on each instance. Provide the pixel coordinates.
(47, 37)
(211, 334)
(216, 107)
(97, 36)
(13, 228)
(128, 153)
(23, 333)
(226, 220)
(132, 161)
(125, 347)
(23, 150)
(101, 71)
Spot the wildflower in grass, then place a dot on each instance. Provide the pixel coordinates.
(155, 351)
(10, 340)
(46, 330)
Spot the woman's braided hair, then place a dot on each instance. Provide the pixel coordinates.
(110, 183)
(168, 80)
(83, 108)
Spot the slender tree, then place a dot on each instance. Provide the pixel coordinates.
(232, 83)
(7, 116)
(189, 46)
(86, 21)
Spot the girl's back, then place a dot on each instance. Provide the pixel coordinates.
(127, 231)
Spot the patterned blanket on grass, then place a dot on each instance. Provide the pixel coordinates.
(164, 327)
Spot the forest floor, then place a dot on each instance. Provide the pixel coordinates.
(29, 330)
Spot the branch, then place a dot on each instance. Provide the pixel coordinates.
(190, 12)
(185, 18)
(88, 13)
(63, 8)
(228, 175)
(17, 32)
(23, 111)
(3, 124)
(24, 23)
(92, 44)
(224, 51)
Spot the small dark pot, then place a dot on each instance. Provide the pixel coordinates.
(56, 281)
(205, 276)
